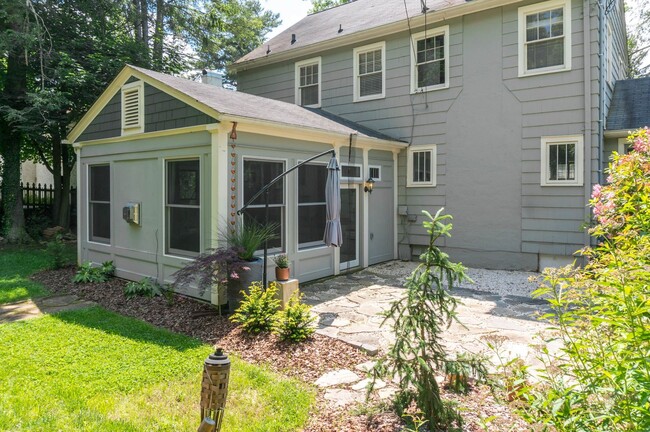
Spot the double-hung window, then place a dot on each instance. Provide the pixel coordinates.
(99, 203)
(545, 37)
(562, 161)
(183, 207)
(257, 174)
(311, 205)
(421, 166)
(430, 60)
(369, 70)
(308, 73)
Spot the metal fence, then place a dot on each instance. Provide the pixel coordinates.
(40, 198)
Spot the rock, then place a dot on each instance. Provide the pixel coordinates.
(342, 397)
(363, 384)
(336, 378)
(387, 393)
(365, 367)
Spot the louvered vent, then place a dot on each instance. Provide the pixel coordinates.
(132, 107)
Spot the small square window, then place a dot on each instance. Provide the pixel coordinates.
(308, 81)
(369, 72)
(545, 37)
(421, 166)
(351, 172)
(430, 60)
(562, 161)
(374, 172)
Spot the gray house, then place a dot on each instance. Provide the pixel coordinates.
(502, 103)
(164, 162)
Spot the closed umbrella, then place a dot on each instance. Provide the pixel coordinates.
(333, 234)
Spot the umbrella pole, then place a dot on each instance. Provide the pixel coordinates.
(266, 241)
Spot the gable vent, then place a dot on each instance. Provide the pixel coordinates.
(132, 107)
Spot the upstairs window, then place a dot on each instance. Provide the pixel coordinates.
(133, 108)
(562, 161)
(545, 37)
(430, 60)
(421, 166)
(99, 203)
(308, 83)
(183, 207)
(369, 70)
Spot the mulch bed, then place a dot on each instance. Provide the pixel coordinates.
(306, 361)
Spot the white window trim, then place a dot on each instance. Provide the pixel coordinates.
(623, 146)
(88, 227)
(353, 179)
(285, 221)
(376, 179)
(578, 140)
(539, 7)
(409, 166)
(175, 253)
(356, 86)
(315, 60)
(414, 39)
(140, 126)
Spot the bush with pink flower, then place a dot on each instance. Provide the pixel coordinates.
(600, 380)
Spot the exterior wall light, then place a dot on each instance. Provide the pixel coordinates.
(368, 185)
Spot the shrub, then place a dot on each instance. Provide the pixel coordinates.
(600, 381)
(420, 318)
(55, 249)
(146, 287)
(89, 274)
(294, 323)
(257, 311)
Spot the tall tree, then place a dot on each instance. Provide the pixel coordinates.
(638, 39)
(16, 38)
(321, 5)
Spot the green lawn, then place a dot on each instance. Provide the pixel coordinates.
(93, 370)
(16, 264)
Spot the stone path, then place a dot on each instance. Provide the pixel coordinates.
(46, 305)
(349, 308)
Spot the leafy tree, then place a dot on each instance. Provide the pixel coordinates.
(321, 5)
(638, 39)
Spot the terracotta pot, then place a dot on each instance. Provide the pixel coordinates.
(282, 274)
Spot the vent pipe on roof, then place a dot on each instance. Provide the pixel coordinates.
(293, 38)
(268, 49)
(423, 3)
(340, 28)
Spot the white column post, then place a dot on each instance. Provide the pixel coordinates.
(219, 183)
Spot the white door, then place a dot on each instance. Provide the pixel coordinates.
(350, 226)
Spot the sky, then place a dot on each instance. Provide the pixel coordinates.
(291, 11)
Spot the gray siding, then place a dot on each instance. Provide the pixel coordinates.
(487, 125)
(162, 112)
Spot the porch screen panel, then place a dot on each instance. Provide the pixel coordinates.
(311, 205)
(183, 204)
(99, 203)
(257, 174)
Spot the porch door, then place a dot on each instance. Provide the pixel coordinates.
(350, 227)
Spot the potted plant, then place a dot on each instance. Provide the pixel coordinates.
(281, 267)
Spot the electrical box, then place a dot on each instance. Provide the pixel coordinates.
(402, 210)
(131, 213)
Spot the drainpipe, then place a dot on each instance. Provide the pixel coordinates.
(588, 138)
(601, 100)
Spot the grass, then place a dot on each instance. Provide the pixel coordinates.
(17, 264)
(91, 369)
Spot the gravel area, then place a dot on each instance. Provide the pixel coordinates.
(306, 361)
(501, 282)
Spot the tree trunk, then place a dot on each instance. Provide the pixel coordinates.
(56, 175)
(159, 35)
(13, 225)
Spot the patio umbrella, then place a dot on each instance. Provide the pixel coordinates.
(333, 234)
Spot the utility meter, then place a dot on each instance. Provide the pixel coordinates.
(131, 213)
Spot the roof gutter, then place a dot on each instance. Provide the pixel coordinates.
(253, 125)
(432, 17)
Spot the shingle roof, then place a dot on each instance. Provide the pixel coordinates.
(353, 17)
(630, 107)
(252, 107)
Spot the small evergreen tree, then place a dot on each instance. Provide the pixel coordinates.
(420, 318)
